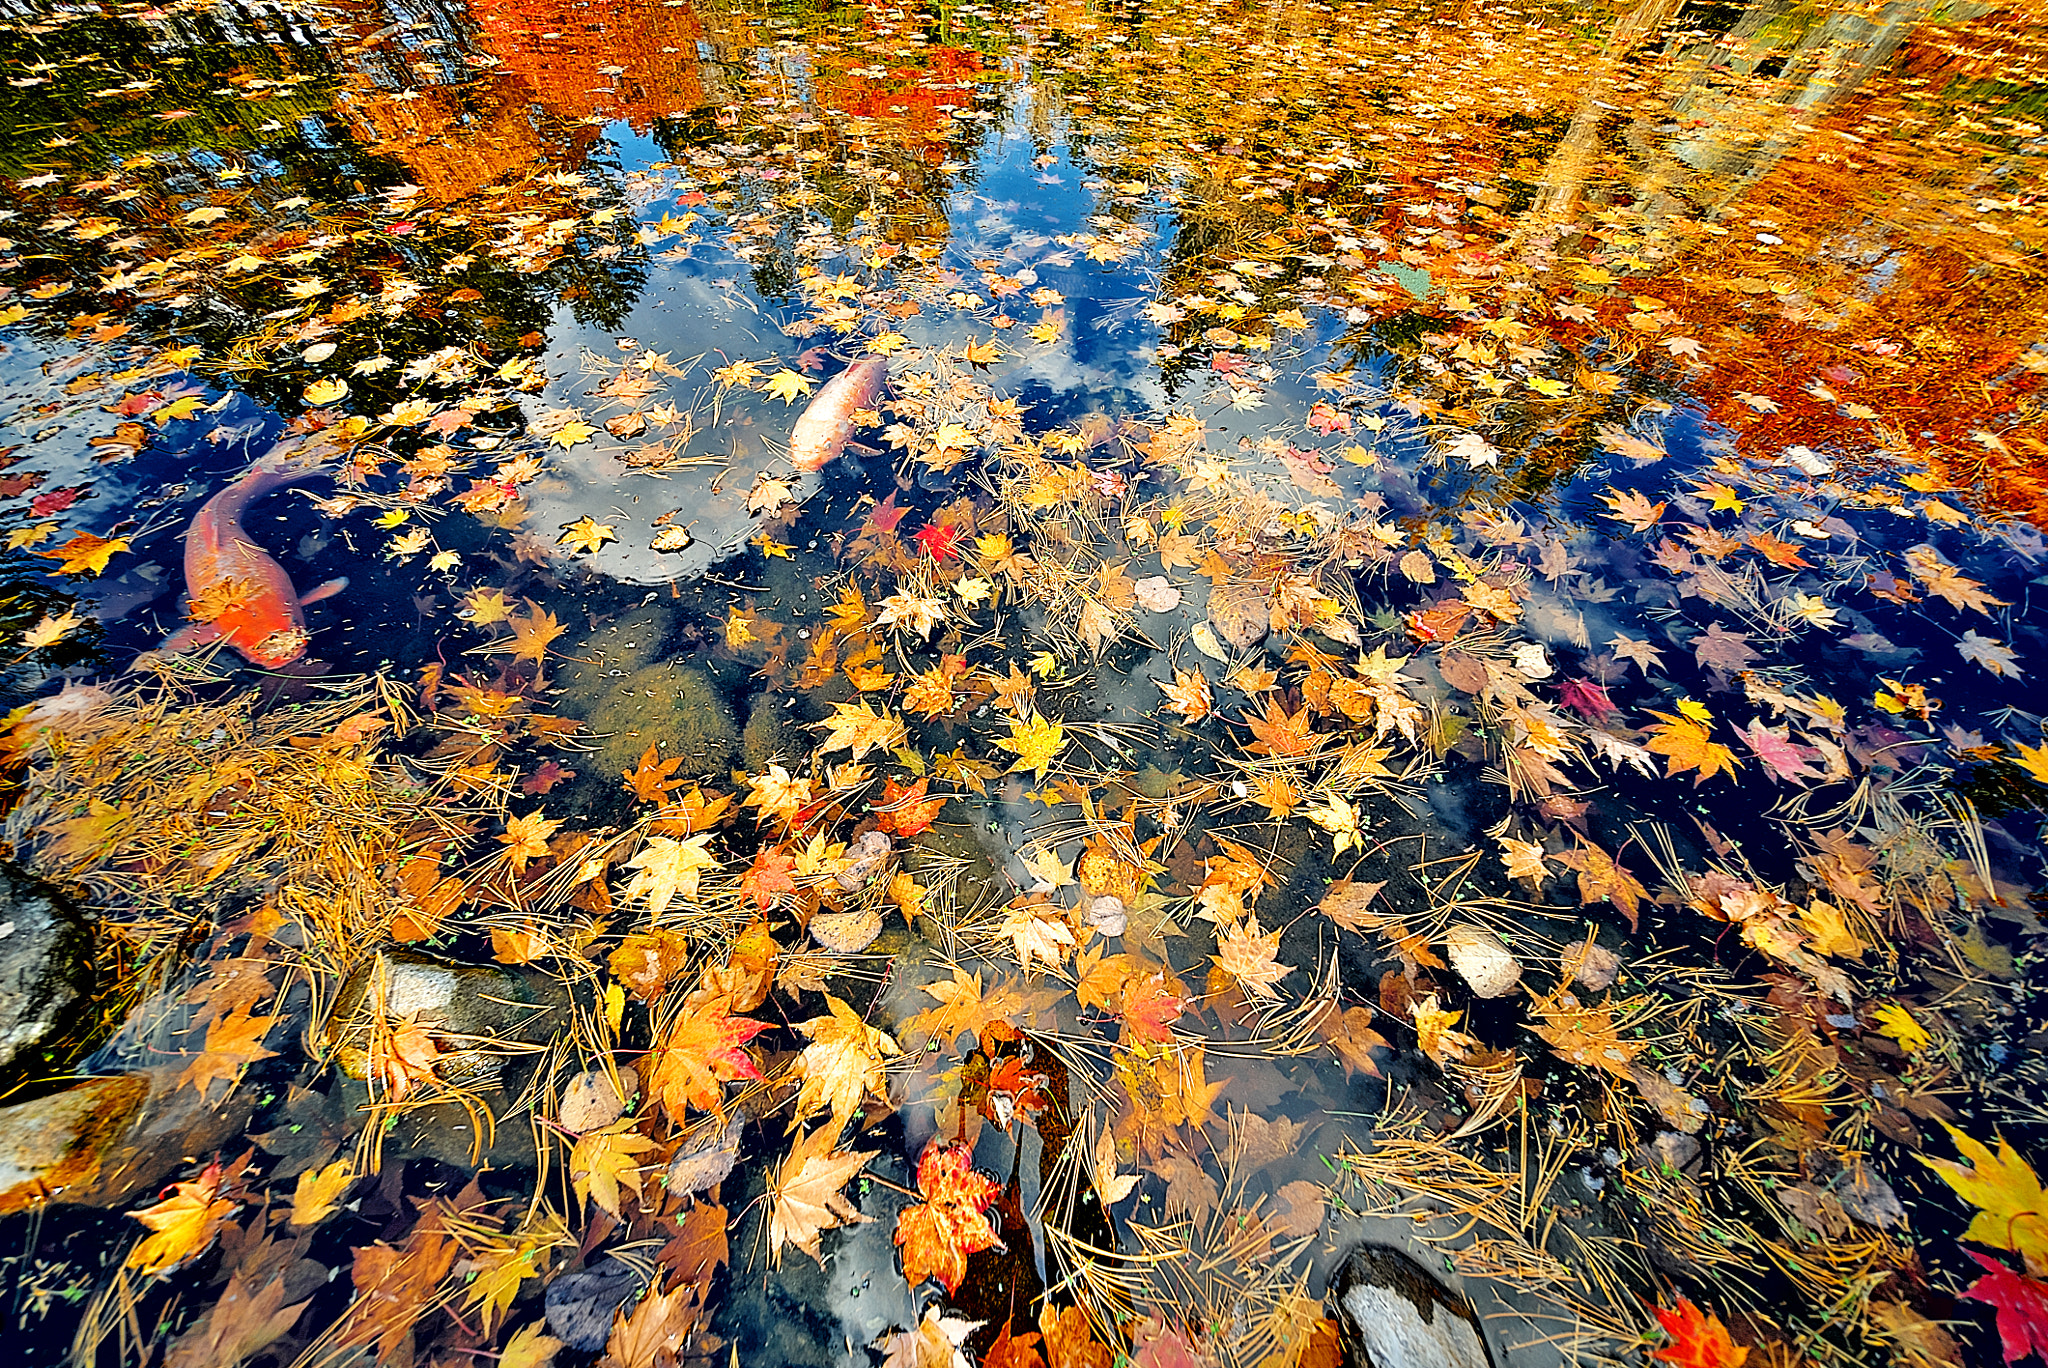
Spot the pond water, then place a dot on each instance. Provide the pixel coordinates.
(973, 683)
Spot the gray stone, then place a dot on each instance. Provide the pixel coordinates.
(45, 963)
(473, 1011)
(1393, 1314)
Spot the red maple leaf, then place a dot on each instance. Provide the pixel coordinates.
(1323, 418)
(545, 778)
(138, 403)
(937, 1236)
(1587, 699)
(2022, 1307)
(1022, 1091)
(1698, 1339)
(1782, 757)
(938, 539)
(768, 879)
(885, 515)
(905, 811)
(1149, 1005)
(1226, 363)
(11, 485)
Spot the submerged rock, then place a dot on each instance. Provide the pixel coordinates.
(481, 1020)
(467, 1007)
(45, 962)
(53, 1144)
(1393, 1314)
(664, 704)
(767, 735)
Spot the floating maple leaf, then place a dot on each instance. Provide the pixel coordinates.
(1686, 744)
(860, 729)
(183, 1223)
(768, 878)
(2012, 1210)
(846, 1059)
(1251, 958)
(1698, 1339)
(668, 869)
(233, 1042)
(1039, 931)
(805, 1199)
(526, 838)
(937, 1235)
(606, 1161)
(2022, 1305)
(700, 1050)
(1035, 742)
(1781, 756)
(906, 811)
(649, 781)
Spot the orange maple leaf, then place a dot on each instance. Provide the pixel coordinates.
(649, 781)
(1698, 1339)
(1188, 694)
(233, 1041)
(533, 632)
(700, 1050)
(1686, 744)
(1602, 876)
(905, 811)
(938, 1234)
(768, 879)
(1280, 733)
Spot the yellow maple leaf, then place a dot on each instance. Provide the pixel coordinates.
(29, 535)
(606, 1161)
(319, 1192)
(777, 794)
(805, 1199)
(50, 630)
(86, 553)
(2012, 1210)
(323, 392)
(1435, 1034)
(668, 869)
(1035, 742)
(788, 385)
(846, 1059)
(1037, 931)
(587, 535)
(183, 1223)
(486, 606)
(1899, 1024)
(860, 728)
(530, 1348)
(572, 432)
(2034, 760)
(739, 374)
